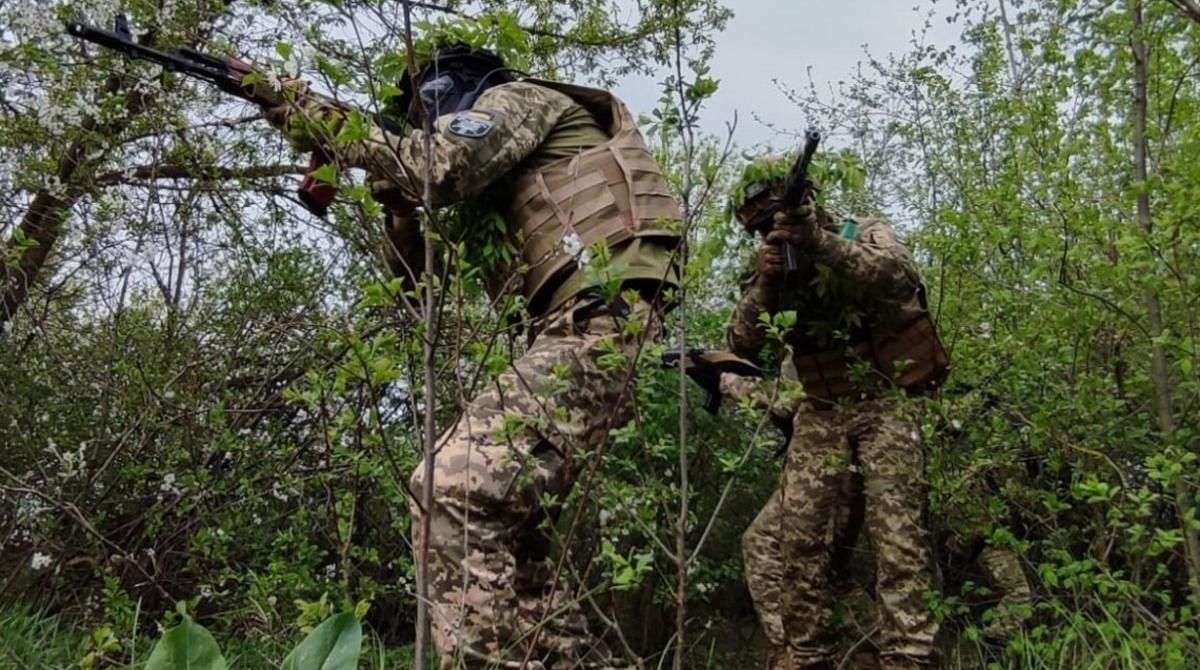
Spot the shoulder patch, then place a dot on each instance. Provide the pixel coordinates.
(472, 123)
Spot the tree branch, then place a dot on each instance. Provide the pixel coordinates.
(43, 220)
(199, 172)
(1190, 8)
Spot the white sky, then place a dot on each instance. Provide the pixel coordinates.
(781, 39)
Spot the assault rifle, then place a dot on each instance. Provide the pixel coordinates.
(796, 189)
(705, 368)
(227, 74)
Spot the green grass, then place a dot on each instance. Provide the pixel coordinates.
(33, 641)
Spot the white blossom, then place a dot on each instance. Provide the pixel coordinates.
(572, 244)
(167, 485)
(29, 508)
(272, 77)
(40, 561)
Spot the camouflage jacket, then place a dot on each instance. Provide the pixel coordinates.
(469, 151)
(513, 129)
(844, 287)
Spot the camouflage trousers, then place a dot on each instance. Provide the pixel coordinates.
(497, 599)
(788, 548)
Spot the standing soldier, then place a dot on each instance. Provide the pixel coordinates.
(862, 335)
(570, 170)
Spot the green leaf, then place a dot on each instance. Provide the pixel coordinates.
(327, 174)
(334, 645)
(187, 646)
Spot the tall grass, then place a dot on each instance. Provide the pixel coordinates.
(29, 641)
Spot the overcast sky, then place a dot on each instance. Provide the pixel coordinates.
(780, 39)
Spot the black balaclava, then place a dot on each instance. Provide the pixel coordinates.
(451, 82)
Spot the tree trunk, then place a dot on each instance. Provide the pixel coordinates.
(1159, 373)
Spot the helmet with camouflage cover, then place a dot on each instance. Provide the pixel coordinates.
(756, 196)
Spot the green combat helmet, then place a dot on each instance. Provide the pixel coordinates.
(757, 195)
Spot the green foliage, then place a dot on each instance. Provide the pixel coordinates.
(31, 639)
(186, 646)
(334, 645)
(212, 399)
(840, 171)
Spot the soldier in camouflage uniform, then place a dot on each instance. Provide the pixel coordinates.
(572, 171)
(862, 335)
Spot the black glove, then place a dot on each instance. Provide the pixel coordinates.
(705, 368)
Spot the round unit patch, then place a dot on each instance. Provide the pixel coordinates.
(473, 123)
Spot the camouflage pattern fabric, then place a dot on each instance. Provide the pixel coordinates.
(1001, 571)
(518, 117)
(876, 280)
(497, 601)
(518, 126)
(496, 598)
(787, 550)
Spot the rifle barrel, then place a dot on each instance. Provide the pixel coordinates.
(207, 67)
(797, 179)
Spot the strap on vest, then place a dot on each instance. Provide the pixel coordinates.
(627, 175)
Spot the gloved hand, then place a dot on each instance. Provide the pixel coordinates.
(714, 371)
(771, 264)
(798, 227)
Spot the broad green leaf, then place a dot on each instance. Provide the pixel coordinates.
(326, 174)
(334, 645)
(187, 646)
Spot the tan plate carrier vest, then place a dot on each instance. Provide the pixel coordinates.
(612, 192)
(826, 374)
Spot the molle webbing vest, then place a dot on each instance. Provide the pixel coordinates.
(826, 374)
(612, 192)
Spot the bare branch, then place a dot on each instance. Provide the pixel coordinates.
(1190, 8)
(199, 172)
